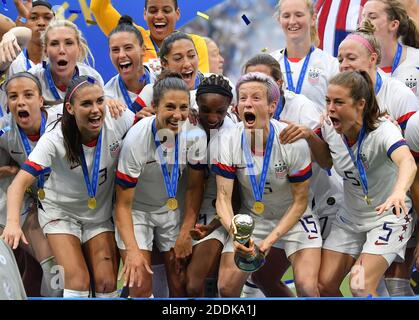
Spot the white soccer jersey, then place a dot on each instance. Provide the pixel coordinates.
(12, 143)
(327, 190)
(412, 135)
(139, 164)
(65, 190)
(20, 64)
(321, 67)
(408, 71)
(397, 100)
(113, 89)
(47, 93)
(210, 194)
(381, 172)
(289, 163)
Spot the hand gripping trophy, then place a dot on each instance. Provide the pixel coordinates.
(243, 226)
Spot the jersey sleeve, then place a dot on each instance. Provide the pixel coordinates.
(223, 161)
(125, 122)
(391, 138)
(298, 161)
(42, 156)
(145, 97)
(412, 135)
(131, 160)
(403, 104)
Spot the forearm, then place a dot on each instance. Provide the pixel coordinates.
(406, 175)
(123, 217)
(5, 24)
(15, 195)
(289, 220)
(106, 15)
(224, 211)
(193, 201)
(320, 151)
(23, 35)
(8, 171)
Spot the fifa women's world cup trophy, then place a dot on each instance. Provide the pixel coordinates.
(243, 226)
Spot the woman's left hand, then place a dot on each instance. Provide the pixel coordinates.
(182, 250)
(396, 200)
(115, 107)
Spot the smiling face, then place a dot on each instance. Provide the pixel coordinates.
(161, 17)
(212, 110)
(25, 102)
(88, 108)
(126, 53)
(296, 20)
(63, 50)
(344, 112)
(253, 106)
(183, 58)
(172, 110)
(353, 56)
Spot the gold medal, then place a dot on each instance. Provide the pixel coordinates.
(41, 194)
(258, 207)
(91, 203)
(368, 200)
(171, 203)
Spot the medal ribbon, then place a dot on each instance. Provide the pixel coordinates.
(171, 186)
(302, 73)
(358, 161)
(258, 189)
(92, 187)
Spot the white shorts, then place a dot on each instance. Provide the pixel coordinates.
(161, 228)
(28, 203)
(219, 234)
(413, 239)
(305, 234)
(326, 224)
(389, 239)
(68, 225)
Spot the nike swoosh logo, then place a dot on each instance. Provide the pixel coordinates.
(312, 237)
(380, 243)
(73, 167)
(16, 152)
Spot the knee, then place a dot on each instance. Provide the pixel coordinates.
(77, 279)
(143, 291)
(105, 283)
(194, 287)
(227, 289)
(307, 287)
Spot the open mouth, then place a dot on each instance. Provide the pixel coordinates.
(125, 65)
(250, 118)
(23, 114)
(336, 122)
(187, 75)
(160, 25)
(62, 63)
(95, 121)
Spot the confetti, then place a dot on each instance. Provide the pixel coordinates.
(202, 15)
(264, 50)
(75, 11)
(5, 5)
(246, 19)
(91, 22)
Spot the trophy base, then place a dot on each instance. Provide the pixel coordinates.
(249, 265)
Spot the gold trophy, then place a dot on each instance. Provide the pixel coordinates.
(243, 226)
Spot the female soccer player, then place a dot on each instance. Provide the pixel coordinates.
(361, 51)
(307, 68)
(149, 203)
(375, 222)
(161, 17)
(213, 97)
(399, 59)
(66, 50)
(21, 131)
(126, 53)
(81, 152)
(277, 199)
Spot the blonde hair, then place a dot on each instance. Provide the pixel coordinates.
(366, 30)
(85, 52)
(314, 35)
